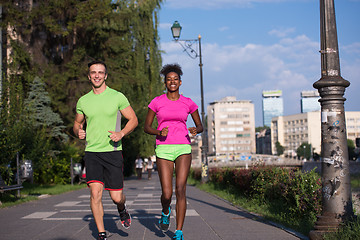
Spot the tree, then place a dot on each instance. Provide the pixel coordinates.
(259, 129)
(38, 106)
(279, 148)
(56, 39)
(304, 151)
(351, 149)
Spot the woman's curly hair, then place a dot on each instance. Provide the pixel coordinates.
(168, 68)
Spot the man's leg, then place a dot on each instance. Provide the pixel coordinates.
(119, 199)
(96, 190)
(182, 168)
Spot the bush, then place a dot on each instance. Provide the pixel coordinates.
(289, 192)
(298, 193)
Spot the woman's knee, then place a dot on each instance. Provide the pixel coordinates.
(180, 191)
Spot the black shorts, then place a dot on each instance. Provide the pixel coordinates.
(105, 168)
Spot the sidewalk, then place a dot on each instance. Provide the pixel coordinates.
(68, 217)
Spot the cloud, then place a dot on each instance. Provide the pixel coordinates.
(244, 71)
(222, 29)
(218, 4)
(281, 32)
(165, 25)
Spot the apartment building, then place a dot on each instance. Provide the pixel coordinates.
(293, 130)
(231, 127)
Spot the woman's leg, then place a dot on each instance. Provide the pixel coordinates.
(182, 168)
(165, 170)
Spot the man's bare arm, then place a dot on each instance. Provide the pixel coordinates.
(78, 126)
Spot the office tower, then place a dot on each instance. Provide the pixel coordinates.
(231, 127)
(310, 101)
(273, 105)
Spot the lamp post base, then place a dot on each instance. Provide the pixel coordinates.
(326, 223)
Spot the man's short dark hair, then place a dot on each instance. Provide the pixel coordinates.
(97, 62)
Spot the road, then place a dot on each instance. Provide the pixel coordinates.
(68, 217)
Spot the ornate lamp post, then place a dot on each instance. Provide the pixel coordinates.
(187, 46)
(335, 174)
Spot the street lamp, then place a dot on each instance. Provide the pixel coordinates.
(187, 46)
(335, 173)
(304, 151)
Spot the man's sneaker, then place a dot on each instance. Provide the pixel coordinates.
(102, 236)
(125, 218)
(164, 221)
(178, 235)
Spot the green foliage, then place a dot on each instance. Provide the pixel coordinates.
(38, 106)
(351, 149)
(304, 150)
(349, 231)
(259, 129)
(50, 170)
(288, 194)
(56, 40)
(299, 193)
(279, 148)
(30, 192)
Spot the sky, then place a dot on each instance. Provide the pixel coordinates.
(253, 45)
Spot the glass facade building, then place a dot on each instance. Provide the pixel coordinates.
(310, 101)
(273, 105)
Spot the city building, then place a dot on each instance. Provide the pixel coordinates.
(272, 104)
(310, 101)
(196, 143)
(293, 130)
(352, 125)
(231, 127)
(263, 142)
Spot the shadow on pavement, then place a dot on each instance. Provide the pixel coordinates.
(111, 224)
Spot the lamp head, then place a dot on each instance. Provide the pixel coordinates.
(176, 30)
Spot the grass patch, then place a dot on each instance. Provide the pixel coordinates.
(273, 211)
(355, 181)
(31, 192)
(349, 231)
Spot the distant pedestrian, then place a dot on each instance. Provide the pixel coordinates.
(149, 167)
(101, 109)
(173, 144)
(139, 164)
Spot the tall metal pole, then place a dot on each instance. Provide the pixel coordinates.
(176, 30)
(204, 147)
(1, 73)
(335, 174)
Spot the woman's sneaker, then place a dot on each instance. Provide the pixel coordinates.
(125, 218)
(178, 235)
(164, 221)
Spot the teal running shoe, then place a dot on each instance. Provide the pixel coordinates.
(178, 235)
(164, 221)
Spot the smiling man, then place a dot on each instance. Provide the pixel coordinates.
(102, 109)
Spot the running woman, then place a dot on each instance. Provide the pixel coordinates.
(102, 109)
(173, 144)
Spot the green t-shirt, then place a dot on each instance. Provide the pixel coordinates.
(102, 114)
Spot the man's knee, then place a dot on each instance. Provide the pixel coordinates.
(118, 197)
(96, 191)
